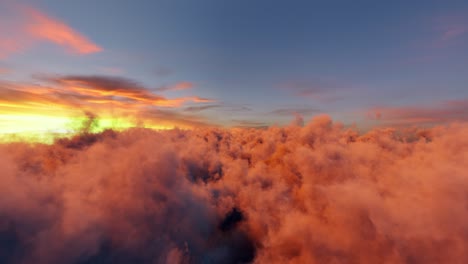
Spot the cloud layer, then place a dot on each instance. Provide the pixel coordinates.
(314, 194)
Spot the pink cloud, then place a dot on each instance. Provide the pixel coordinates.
(46, 28)
(8, 46)
(454, 32)
(112, 70)
(29, 26)
(176, 87)
(448, 111)
(316, 89)
(4, 70)
(450, 29)
(182, 86)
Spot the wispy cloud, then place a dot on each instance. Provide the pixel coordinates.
(454, 31)
(442, 112)
(111, 70)
(295, 111)
(240, 123)
(119, 89)
(220, 107)
(449, 29)
(50, 29)
(310, 87)
(200, 108)
(4, 70)
(30, 26)
(317, 89)
(450, 34)
(172, 117)
(163, 72)
(175, 87)
(8, 46)
(103, 95)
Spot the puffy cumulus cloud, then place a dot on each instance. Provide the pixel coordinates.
(320, 193)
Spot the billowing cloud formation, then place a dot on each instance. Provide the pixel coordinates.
(313, 194)
(30, 25)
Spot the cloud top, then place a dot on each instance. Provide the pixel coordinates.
(319, 193)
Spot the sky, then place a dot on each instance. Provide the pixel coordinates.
(241, 63)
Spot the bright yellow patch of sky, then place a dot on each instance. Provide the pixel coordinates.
(44, 128)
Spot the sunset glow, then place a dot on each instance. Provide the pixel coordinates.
(44, 129)
(233, 132)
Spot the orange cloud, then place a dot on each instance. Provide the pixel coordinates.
(176, 87)
(46, 28)
(102, 95)
(182, 86)
(27, 26)
(320, 193)
(121, 89)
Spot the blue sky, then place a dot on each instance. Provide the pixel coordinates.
(265, 61)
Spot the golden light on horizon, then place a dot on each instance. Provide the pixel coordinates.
(61, 105)
(45, 128)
